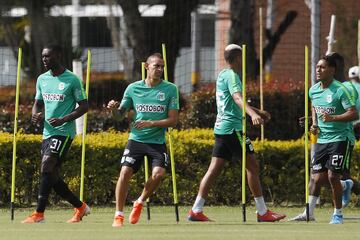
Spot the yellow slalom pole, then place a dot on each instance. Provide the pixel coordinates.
(261, 65)
(13, 171)
(146, 162)
(84, 129)
(243, 172)
(306, 131)
(172, 160)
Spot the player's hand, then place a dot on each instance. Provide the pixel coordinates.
(56, 121)
(314, 129)
(143, 124)
(37, 117)
(327, 118)
(302, 121)
(257, 120)
(265, 115)
(113, 104)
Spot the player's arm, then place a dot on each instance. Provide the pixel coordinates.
(118, 112)
(78, 112)
(263, 114)
(314, 128)
(255, 118)
(36, 113)
(349, 115)
(170, 121)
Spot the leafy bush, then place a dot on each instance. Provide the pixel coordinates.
(285, 109)
(282, 169)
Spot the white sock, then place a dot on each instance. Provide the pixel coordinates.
(139, 200)
(119, 213)
(312, 205)
(198, 204)
(260, 205)
(338, 211)
(343, 184)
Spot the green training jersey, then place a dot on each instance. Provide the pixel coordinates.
(333, 100)
(355, 97)
(357, 87)
(150, 103)
(229, 114)
(60, 95)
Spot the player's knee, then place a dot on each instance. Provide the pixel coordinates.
(158, 173)
(125, 173)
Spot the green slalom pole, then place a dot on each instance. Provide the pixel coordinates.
(243, 172)
(13, 171)
(146, 161)
(173, 173)
(307, 132)
(82, 176)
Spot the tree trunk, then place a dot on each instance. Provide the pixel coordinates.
(242, 31)
(41, 33)
(136, 34)
(172, 25)
(177, 17)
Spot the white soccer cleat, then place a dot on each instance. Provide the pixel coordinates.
(302, 218)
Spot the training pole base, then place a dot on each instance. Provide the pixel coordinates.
(244, 212)
(148, 210)
(176, 212)
(307, 212)
(12, 210)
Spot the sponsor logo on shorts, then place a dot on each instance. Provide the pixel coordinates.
(155, 108)
(127, 159)
(317, 167)
(166, 158)
(53, 97)
(327, 110)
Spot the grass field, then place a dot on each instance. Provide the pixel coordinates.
(227, 225)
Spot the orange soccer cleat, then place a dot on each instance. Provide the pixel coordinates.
(118, 221)
(197, 217)
(135, 213)
(270, 216)
(79, 213)
(35, 217)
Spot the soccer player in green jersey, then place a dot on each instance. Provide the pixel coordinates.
(355, 80)
(57, 92)
(333, 109)
(228, 137)
(156, 104)
(349, 184)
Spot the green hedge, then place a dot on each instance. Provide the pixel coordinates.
(285, 109)
(282, 169)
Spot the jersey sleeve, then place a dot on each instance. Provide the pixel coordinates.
(234, 83)
(345, 97)
(78, 90)
(38, 95)
(127, 101)
(174, 98)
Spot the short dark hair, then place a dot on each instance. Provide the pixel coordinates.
(330, 61)
(154, 55)
(340, 66)
(54, 47)
(230, 55)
